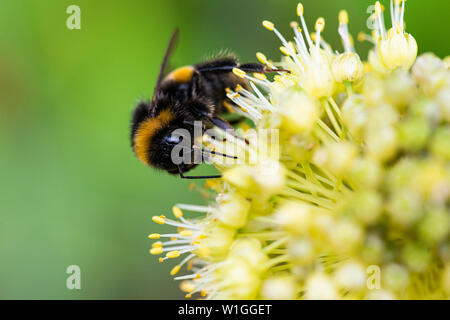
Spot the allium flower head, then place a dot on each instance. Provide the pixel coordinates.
(348, 195)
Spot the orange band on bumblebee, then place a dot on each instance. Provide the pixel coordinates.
(183, 74)
(146, 131)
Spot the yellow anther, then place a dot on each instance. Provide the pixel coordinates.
(228, 107)
(154, 236)
(239, 88)
(175, 270)
(228, 90)
(188, 296)
(186, 233)
(187, 286)
(261, 57)
(173, 254)
(240, 73)
(203, 293)
(398, 28)
(361, 36)
(268, 25)
(285, 51)
(198, 276)
(378, 8)
(157, 244)
(300, 9)
(158, 219)
(173, 238)
(277, 78)
(320, 24)
(177, 212)
(202, 236)
(293, 24)
(260, 76)
(343, 17)
(157, 250)
(160, 260)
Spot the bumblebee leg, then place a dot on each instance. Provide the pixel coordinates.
(225, 126)
(182, 176)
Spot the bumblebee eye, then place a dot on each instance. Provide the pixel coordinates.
(173, 138)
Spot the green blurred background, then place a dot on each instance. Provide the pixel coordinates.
(71, 190)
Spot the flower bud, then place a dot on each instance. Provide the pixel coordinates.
(233, 210)
(404, 207)
(430, 73)
(395, 277)
(346, 235)
(279, 288)
(382, 143)
(299, 111)
(240, 282)
(250, 250)
(426, 108)
(435, 225)
(347, 67)
(399, 49)
(301, 251)
(320, 287)
(432, 182)
(365, 172)
(294, 217)
(350, 276)
(417, 257)
(440, 144)
(365, 206)
(337, 157)
(216, 243)
(400, 89)
(413, 134)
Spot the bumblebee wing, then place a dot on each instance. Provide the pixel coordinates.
(170, 48)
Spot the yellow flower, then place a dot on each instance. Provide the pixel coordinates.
(396, 48)
(346, 197)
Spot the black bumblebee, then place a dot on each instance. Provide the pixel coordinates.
(187, 94)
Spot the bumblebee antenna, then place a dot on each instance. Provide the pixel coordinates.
(170, 47)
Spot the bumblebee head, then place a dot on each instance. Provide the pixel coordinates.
(154, 138)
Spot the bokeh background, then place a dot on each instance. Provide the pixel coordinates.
(71, 190)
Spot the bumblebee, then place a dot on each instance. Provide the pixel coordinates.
(181, 97)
